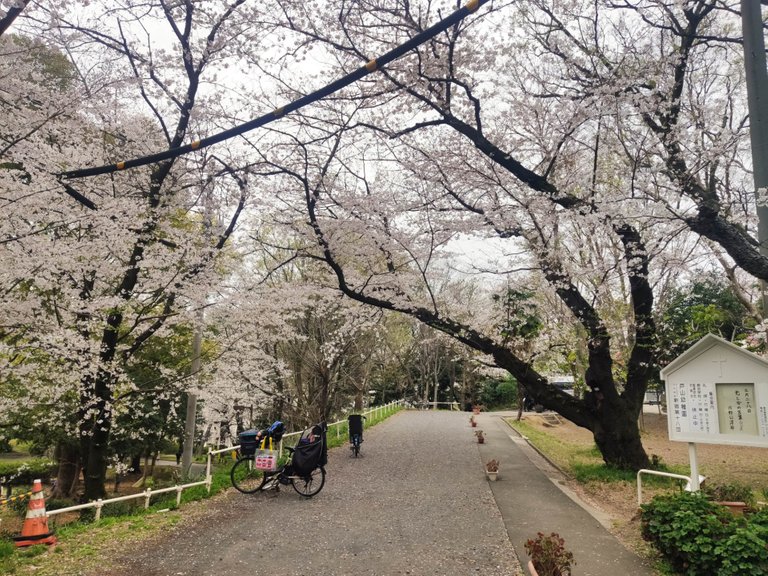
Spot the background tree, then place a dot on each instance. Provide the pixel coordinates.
(599, 147)
(705, 306)
(113, 278)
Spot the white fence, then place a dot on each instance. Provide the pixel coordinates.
(453, 406)
(378, 411)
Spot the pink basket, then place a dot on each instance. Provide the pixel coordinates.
(266, 460)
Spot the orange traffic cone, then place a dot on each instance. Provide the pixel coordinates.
(35, 528)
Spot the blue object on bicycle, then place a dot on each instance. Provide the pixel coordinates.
(276, 430)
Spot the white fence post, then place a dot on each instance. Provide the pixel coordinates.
(147, 496)
(208, 472)
(99, 505)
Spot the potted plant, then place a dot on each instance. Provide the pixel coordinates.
(736, 497)
(472, 421)
(492, 469)
(476, 409)
(480, 437)
(549, 556)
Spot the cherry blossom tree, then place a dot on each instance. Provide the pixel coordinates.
(572, 134)
(132, 255)
(600, 145)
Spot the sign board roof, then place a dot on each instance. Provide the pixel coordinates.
(717, 393)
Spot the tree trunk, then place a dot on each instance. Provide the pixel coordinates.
(135, 467)
(611, 418)
(141, 481)
(95, 469)
(618, 439)
(68, 458)
(98, 422)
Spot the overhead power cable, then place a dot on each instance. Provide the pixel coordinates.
(369, 67)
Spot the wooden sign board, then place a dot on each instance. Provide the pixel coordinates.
(717, 393)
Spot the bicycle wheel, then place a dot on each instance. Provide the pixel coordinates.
(245, 477)
(309, 485)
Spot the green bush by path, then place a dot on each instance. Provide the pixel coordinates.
(701, 538)
(23, 473)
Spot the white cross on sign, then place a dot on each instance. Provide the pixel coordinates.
(720, 360)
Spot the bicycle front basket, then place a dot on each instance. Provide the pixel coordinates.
(248, 443)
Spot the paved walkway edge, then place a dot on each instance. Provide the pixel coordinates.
(532, 497)
(555, 474)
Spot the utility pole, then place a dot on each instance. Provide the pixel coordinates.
(757, 100)
(197, 344)
(191, 414)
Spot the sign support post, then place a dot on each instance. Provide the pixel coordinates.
(695, 485)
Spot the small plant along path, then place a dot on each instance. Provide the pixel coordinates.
(415, 502)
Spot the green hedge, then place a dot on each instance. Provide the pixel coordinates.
(700, 537)
(25, 473)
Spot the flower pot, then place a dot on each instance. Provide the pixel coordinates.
(474, 424)
(531, 569)
(736, 508)
(492, 476)
(480, 440)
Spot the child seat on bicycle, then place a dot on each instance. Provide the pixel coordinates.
(355, 426)
(311, 450)
(251, 439)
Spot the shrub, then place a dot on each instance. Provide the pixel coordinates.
(19, 507)
(759, 517)
(27, 472)
(700, 537)
(744, 552)
(58, 503)
(124, 508)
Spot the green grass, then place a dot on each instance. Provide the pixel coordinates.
(565, 455)
(585, 464)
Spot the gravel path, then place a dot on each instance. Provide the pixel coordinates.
(416, 502)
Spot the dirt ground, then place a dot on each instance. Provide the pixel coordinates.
(720, 464)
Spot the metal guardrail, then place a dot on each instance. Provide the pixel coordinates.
(148, 493)
(453, 406)
(655, 473)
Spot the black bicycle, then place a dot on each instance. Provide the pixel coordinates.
(305, 469)
(355, 433)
